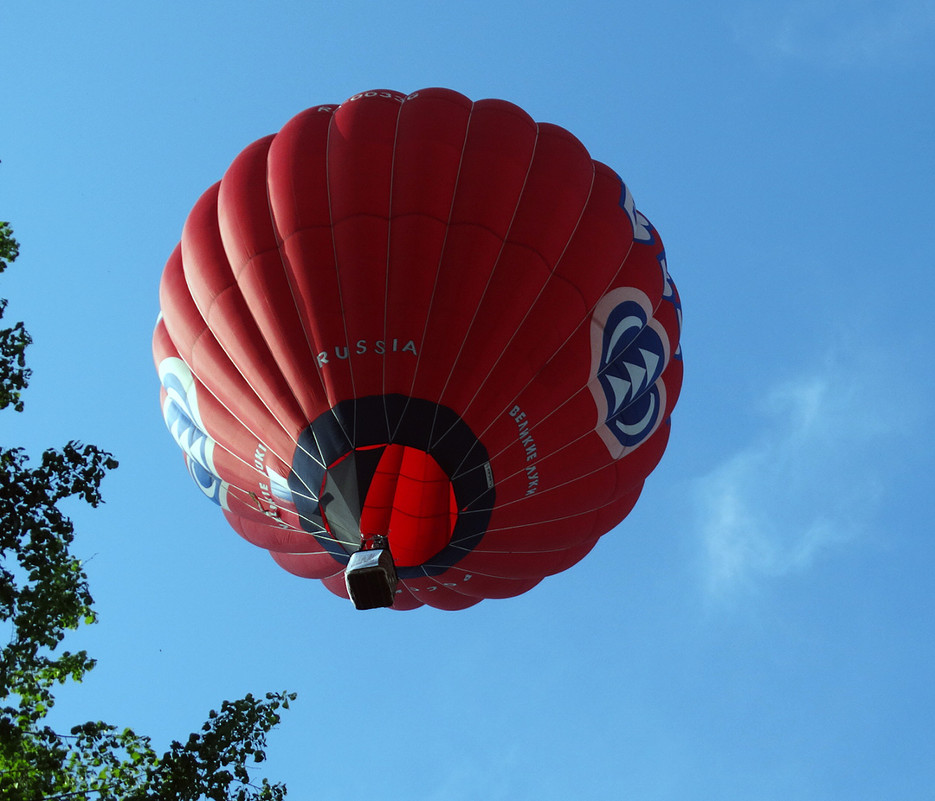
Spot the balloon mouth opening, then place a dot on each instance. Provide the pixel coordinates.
(407, 465)
(392, 490)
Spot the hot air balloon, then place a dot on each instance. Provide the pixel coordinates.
(420, 348)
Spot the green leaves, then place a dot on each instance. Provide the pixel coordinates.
(43, 587)
(214, 763)
(44, 594)
(9, 247)
(14, 375)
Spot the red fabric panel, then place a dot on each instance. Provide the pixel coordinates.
(252, 248)
(314, 566)
(519, 564)
(405, 600)
(298, 187)
(430, 139)
(221, 425)
(495, 162)
(462, 582)
(553, 198)
(231, 407)
(378, 509)
(421, 523)
(273, 538)
(410, 500)
(583, 272)
(219, 300)
(432, 592)
(360, 177)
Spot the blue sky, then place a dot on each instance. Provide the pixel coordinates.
(760, 626)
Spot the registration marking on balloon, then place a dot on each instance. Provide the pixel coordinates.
(629, 350)
(529, 444)
(272, 491)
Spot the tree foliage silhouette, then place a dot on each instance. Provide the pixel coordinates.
(44, 594)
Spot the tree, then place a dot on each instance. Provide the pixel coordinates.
(13, 341)
(43, 594)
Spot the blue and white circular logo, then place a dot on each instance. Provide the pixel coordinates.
(671, 296)
(629, 352)
(180, 411)
(642, 228)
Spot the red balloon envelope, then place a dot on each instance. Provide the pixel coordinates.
(426, 318)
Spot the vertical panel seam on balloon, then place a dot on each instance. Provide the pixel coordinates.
(352, 437)
(535, 300)
(207, 330)
(441, 257)
(558, 350)
(506, 236)
(288, 273)
(386, 275)
(245, 492)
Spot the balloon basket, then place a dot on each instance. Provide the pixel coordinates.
(371, 578)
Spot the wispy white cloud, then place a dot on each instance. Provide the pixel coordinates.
(812, 481)
(840, 33)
